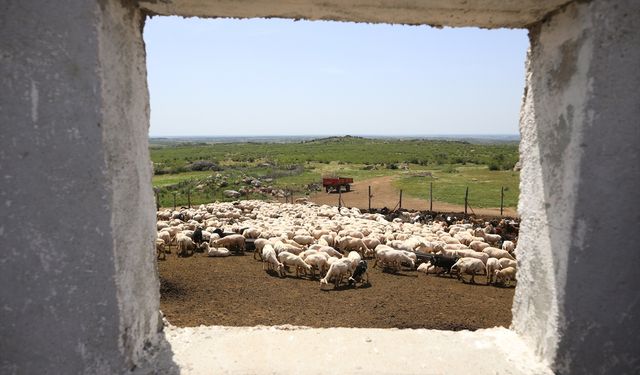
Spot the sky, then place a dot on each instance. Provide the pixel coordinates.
(225, 77)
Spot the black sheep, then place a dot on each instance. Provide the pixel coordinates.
(197, 236)
(358, 273)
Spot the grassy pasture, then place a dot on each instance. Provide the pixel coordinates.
(485, 168)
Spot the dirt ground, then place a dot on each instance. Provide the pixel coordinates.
(385, 194)
(235, 291)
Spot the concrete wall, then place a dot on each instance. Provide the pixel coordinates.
(79, 286)
(581, 168)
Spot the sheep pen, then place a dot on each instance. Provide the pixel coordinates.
(236, 291)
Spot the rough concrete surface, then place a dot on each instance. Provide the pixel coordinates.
(299, 350)
(80, 289)
(480, 13)
(580, 169)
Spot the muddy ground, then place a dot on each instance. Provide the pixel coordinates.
(235, 291)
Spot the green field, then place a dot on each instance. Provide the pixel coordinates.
(453, 165)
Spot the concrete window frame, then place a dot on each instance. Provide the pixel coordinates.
(76, 111)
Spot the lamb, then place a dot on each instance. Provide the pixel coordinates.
(505, 276)
(469, 266)
(214, 252)
(270, 259)
(289, 259)
(493, 264)
(497, 253)
(233, 242)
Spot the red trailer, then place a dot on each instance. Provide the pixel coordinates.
(336, 183)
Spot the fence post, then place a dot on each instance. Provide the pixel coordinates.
(339, 197)
(501, 199)
(174, 200)
(157, 200)
(369, 198)
(466, 200)
(431, 196)
(400, 203)
(189, 198)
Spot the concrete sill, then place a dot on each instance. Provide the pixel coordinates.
(301, 350)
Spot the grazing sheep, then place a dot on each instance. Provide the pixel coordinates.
(337, 271)
(259, 245)
(505, 276)
(270, 259)
(360, 274)
(319, 261)
(289, 259)
(469, 266)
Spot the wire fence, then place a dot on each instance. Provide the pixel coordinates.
(188, 199)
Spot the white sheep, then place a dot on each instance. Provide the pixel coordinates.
(492, 266)
(497, 253)
(235, 242)
(469, 266)
(338, 270)
(270, 260)
(505, 276)
(185, 246)
(319, 261)
(215, 252)
(508, 246)
(160, 246)
(504, 263)
(290, 259)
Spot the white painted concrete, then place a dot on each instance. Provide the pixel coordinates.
(480, 13)
(80, 288)
(299, 350)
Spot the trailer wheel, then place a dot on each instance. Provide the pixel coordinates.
(348, 187)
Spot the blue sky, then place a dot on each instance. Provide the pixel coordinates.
(281, 77)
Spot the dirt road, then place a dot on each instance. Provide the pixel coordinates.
(385, 194)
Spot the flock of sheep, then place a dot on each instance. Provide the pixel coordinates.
(308, 238)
